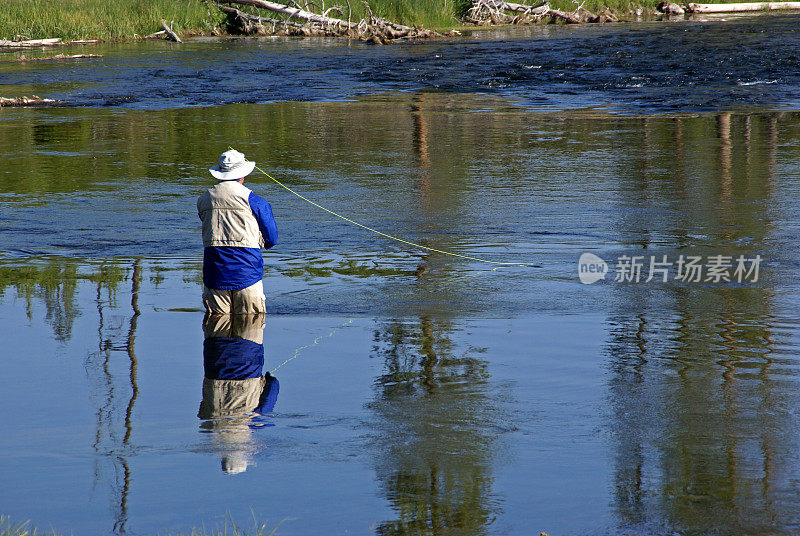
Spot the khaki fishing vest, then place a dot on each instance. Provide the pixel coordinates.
(227, 217)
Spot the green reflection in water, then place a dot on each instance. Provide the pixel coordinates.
(434, 461)
(54, 282)
(698, 393)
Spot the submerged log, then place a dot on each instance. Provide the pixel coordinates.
(742, 7)
(33, 100)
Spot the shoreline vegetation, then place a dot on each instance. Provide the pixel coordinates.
(116, 20)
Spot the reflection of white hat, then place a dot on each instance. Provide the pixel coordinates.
(232, 166)
(235, 462)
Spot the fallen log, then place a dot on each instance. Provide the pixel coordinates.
(30, 43)
(248, 24)
(522, 8)
(742, 7)
(33, 100)
(571, 18)
(56, 57)
(495, 12)
(296, 12)
(44, 42)
(172, 36)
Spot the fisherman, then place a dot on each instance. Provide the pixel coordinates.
(236, 225)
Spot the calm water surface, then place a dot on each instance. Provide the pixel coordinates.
(419, 393)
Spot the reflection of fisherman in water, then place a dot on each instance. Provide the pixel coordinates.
(234, 390)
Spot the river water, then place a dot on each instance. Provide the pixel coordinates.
(420, 393)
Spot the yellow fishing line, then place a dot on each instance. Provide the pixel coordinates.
(385, 235)
(316, 341)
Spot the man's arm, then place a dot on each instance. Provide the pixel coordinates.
(266, 222)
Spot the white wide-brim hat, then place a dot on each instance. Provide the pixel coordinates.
(232, 166)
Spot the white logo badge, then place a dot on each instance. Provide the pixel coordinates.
(591, 268)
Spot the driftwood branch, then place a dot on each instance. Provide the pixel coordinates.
(242, 19)
(172, 36)
(571, 18)
(742, 7)
(30, 43)
(522, 8)
(33, 100)
(5, 43)
(497, 12)
(56, 57)
(293, 12)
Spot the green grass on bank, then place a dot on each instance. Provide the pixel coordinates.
(102, 19)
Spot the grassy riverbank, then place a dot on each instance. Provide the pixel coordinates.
(126, 19)
(102, 19)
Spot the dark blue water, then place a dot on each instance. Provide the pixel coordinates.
(685, 66)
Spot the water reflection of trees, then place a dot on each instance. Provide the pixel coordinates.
(697, 403)
(53, 282)
(434, 452)
(114, 394)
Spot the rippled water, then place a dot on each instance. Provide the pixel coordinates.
(419, 393)
(645, 67)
